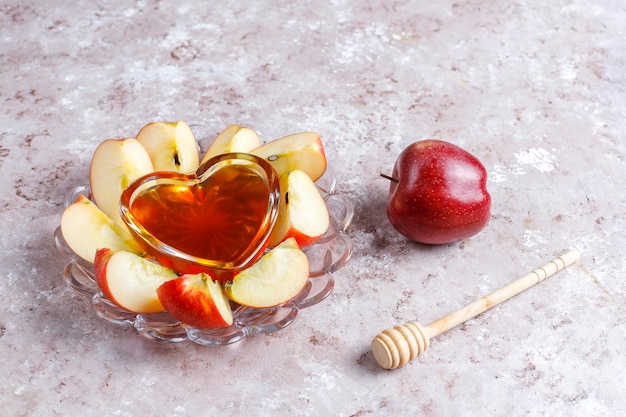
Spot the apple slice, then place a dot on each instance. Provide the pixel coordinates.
(276, 278)
(233, 139)
(196, 300)
(302, 214)
(303, 151)
(171, 146)
(115, 164)
(130, 281)
(86, 228)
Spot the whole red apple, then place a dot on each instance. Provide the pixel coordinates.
(438, 193)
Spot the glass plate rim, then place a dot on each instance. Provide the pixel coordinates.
(162, 328)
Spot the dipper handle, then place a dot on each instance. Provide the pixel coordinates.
(395, 347)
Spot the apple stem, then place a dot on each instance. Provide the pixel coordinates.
(389, 178)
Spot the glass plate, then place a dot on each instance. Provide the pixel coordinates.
(331, 252)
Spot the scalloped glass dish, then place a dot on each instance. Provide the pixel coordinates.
(331, 252)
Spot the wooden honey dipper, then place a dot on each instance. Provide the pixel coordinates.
(395, 347)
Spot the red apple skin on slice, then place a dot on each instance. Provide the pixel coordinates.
(276, 278)
(302, 214)
(130, 281)
(196, 300)
(303, 151)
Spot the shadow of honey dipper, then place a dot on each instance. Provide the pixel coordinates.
(395, 347)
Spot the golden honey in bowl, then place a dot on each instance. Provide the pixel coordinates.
(219, 219)
(214, 219)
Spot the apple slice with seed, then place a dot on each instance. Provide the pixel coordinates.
(196, 300)
(303, 151)
(302, 214)
(275, 279)
(130, 281)
(171, 146)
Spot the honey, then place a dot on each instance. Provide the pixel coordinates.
(220, 218)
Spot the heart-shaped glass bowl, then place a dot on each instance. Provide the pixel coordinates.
(328, 254)
(216, 220)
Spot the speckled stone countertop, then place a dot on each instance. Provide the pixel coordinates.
(534, 89)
